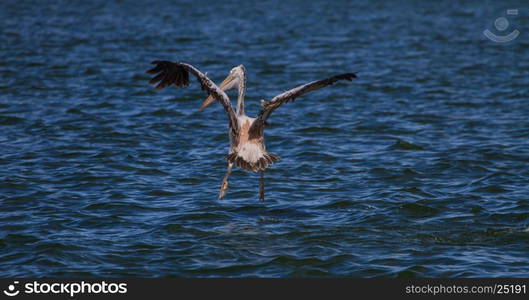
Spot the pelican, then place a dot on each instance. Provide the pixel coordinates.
(247, 144)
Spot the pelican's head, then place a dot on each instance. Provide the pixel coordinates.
(232, 81)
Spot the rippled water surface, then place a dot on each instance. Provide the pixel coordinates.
(417, 168)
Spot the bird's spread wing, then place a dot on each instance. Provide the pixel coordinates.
(177, 73)
(269, 106)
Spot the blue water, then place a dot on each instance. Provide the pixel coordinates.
(419, 168)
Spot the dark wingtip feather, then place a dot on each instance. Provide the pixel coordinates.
(155, 79)
(347, 76)
(169, 73)
(154, 70)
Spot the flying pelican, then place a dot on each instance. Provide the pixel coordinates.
(247, 145)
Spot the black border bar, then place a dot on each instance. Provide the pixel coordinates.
(247, 288)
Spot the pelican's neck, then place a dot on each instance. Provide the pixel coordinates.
(242, 93)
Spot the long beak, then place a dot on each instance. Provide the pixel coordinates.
(210, 99)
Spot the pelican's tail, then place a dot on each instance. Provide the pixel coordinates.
(258, 164)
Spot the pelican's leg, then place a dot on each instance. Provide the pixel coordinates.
(261, 186)
(224, 184)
